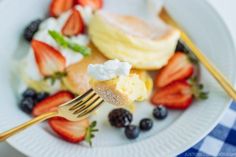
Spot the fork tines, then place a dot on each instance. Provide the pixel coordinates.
(86, 103)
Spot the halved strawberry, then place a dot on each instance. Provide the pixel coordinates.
(74, 24)
(70, 131)
(95, 4)
(48, 59)
(178, 68)
(177, 95)
(52, 102)
(74, 132)
(57, 7)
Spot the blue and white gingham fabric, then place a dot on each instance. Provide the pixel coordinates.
(221, 141)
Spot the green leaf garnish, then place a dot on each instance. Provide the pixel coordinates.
(66, 43)
(58, 38)
(57, 76)
(90, 132)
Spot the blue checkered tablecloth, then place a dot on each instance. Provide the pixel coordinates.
(221, 141)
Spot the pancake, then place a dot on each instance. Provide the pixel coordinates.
(77, 79)
(127, 38)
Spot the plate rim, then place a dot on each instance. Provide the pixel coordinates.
(232, 43)
(230, 101)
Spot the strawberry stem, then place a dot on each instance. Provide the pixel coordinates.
(90, 132)
(198, 89)
(56, 76)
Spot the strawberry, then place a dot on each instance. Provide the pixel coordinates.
(74, 132)
(57, 7)
(52, 102)
(179, 94)
(178, 68)
(74, 24)
(48, 59)
(95, 4)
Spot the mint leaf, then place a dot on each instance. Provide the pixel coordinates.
(85, 51)
(58, 38)
(66, 43)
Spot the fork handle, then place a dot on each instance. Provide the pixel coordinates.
(13, 131)
(215, 73)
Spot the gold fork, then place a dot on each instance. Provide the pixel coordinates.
(78, 108)
(225, 84)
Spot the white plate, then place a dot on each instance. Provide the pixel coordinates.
(169, 137)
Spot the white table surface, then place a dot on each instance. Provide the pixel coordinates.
(227, 10)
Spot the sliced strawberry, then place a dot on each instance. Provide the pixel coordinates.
(70, 131)
(57, 7)
(178, 68)
(177, 95)
(48, 59)
(74, 25)
(52, 102)
(95, 4)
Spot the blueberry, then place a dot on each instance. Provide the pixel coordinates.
(41, 95)
(31, 29)
(181, 47)
(132, 131)
(27, 104)
(145, 124)
(29, 92)
(160, 112)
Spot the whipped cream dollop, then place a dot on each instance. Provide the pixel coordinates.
(57, 24)
(109, 70)
(42, 34)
